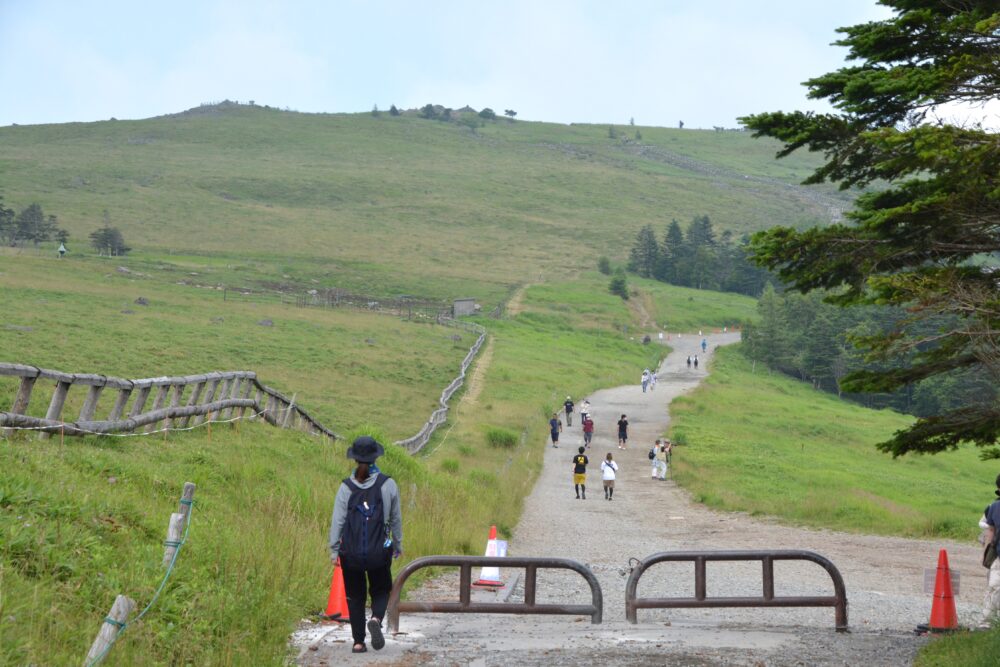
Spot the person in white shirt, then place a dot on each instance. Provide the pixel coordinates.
(608, 471)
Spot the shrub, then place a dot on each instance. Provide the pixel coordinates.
(500, 437)
(449, 465)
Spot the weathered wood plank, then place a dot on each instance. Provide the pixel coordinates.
(174, 531)
(90, 403)
(120, 611)
(159, 401)
(56, 405)
(120, 401)
(193, 400)
(176, 394)
(210, 389)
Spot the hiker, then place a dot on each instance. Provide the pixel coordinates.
(588, 430)
(608, 471)
(555, 428)
(62, 250)
(568, 405)
(660, 462)
(580, 462)
(622, 432)
(585, 409)
(652, 381)
(991, 522)
(704, 345)
(644, 380)
(696, 361)
(367, 506)
(689, 361)
(654, 450)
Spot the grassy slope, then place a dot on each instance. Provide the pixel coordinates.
(345, 367)
(767, 444)
(393, 205)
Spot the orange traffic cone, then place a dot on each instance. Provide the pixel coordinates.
(943, 614)
(489, 576)
(336, 605)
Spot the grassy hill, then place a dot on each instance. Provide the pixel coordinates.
(394, 205)
(767, 444)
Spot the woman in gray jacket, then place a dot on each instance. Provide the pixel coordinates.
(366, 533)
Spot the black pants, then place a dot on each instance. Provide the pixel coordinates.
(356, 586)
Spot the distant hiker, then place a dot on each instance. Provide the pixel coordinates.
(660, 462)
(696, 361)
(366, 533)
(644, 380)
(555, 428)
(568, 405)
(584, 409)
(653, 379)
(588, 430)
(580, 462)
(704, 344)
(608, 470)
(622, 432)
(652, 459)
(689, 361)
(62, 250)
(991, 522)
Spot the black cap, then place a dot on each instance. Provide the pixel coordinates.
(365, 449)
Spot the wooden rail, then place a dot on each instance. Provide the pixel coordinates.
(212, 395)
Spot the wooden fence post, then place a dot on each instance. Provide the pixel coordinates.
(120, 611)
(56, 405)
(193, 401)
(288, 412)
(174, 532)
(175, 402)
(158, 402)
(21, 400)
(213, 384)
(120, 402)
(90, 404)
(187, 497)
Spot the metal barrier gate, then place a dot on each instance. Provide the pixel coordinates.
(838, 600)
(465, 605)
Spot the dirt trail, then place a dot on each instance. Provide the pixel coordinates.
(883, 575)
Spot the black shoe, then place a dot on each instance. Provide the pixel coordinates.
(362, 649)
(375, 629)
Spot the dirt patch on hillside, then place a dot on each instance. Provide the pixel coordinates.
(477, 378)
(515, 306)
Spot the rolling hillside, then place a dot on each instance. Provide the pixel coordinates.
(392, 205)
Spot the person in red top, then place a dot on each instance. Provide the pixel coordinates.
(588, 430)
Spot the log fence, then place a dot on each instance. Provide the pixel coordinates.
(416, 442)
(212, 396)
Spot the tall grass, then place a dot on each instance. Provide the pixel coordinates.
(767, 444)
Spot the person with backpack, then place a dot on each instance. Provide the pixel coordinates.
(366, 533)
(652, 459)
(580, 462)
(622, 432)
(608, 471)
(991, 522)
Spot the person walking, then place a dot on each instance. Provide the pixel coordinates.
(622, 432)
(644, 381)
(655, 473)
(661, 461)
(585, 409)
(653, 379)
(991, 601)
(609, 469)
(568, 406)
(689, 361)
(366, 533)
(704, 345)
(580, 462)
(696, 361)
(588, 430)
(555, 428)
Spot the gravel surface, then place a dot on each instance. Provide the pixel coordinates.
(883, 575)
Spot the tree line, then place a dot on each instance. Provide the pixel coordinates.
(805, 337)
(697, 257)
(32, 225)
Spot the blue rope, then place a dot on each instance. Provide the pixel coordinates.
(121, 625)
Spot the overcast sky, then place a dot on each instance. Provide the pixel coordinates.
(601, 61)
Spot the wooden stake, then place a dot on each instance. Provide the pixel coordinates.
(120, 611)
(174, 532)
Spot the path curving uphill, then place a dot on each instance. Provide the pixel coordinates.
(883, 575)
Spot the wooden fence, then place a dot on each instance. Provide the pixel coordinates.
(212, 396)
(415, 443)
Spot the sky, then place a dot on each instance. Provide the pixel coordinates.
(587, 61)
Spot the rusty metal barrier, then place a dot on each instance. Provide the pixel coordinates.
(465, 605)
(838, 600)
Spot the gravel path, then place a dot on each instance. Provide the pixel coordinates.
(883, 575)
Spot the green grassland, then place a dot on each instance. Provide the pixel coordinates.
(345, 367)
(395, 205)
(767, 444)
